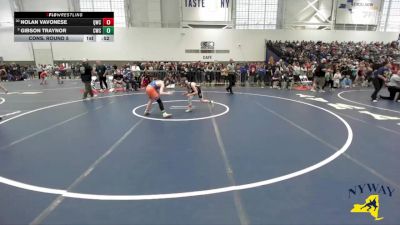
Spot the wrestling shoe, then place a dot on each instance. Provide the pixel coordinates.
(146, 113)
(166, 115)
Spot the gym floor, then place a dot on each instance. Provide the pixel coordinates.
(260, 156)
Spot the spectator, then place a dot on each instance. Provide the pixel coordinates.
(319, 76)
(336, 79)
(243, 75)
(86, 76)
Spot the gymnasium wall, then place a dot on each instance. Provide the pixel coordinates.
(142, 44)
(13, 51)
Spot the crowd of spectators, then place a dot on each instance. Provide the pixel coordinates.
(333, 65)
(351, 52)
(16, 72)
(337, 63)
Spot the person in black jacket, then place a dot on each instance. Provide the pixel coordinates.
(86, 77)
(101, 70)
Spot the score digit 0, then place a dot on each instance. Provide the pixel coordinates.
(108, 30)
(108, 21)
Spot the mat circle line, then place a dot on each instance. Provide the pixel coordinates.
(180, 120)
(288, 176)
(359, 103)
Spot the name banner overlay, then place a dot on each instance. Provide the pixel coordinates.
(62, 30)
(63, 26)
(61, 22)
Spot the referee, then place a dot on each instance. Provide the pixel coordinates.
(378, 80)
(231, 76)
(101, 70)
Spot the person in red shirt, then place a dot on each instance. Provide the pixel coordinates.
(43, 77)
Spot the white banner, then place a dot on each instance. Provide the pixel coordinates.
(358, 12)
(206, 10)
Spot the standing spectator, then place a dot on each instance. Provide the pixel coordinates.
(319, 76)
(86, 77)
(199, 72)
(192, 73)
(261, 75)
(253, 73)
(218, 73)
(145, 80)
(224, 73)
(336, 79)
(209, 70)
(309, 70)
(360, 77)
(243, 75)
(296, 71)
(329, 77)
(136, 72)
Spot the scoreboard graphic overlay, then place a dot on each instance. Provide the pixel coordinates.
(63, 26)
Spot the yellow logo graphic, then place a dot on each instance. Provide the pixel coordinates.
(371, 206)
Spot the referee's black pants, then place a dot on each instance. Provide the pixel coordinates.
(231, 80)
(378, 83)
(103, 79)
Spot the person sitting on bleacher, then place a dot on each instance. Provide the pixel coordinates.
(129, 80)
(276, 77)
(118, 80)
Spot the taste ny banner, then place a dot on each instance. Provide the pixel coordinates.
(206, 10)
(358, 12)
